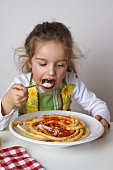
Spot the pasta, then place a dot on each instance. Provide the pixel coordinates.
(53, 128)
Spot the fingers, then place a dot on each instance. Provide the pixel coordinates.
(18, 87)
(19, 94)
(98, 117)
(19, 101)
(24, 99)
(104, 123)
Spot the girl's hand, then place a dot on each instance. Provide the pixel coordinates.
(17, 95)
(104, 123)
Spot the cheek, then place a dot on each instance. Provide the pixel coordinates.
(62, 74)
(36, 73)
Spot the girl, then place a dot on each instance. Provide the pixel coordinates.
(49, 57)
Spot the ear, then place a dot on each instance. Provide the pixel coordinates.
(30, 64)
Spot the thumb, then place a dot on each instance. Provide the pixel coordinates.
(98, 117)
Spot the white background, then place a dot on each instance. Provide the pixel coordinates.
(91, 24)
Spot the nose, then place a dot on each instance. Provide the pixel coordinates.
(51, 71)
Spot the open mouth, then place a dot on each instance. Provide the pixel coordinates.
(48, 83)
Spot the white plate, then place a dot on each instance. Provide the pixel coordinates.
(95, 127)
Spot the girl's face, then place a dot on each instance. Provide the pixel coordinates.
(49, 64)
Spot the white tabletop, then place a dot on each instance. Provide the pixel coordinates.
(95, 155)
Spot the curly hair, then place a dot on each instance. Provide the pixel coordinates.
(44, 32)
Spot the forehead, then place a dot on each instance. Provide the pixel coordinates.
(50, 43)
(52, 47)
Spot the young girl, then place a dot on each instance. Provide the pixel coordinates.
(48, 62)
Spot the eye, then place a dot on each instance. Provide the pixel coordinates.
(60, 65)
(42, 65)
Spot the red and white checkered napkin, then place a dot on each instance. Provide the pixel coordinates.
(16, 158)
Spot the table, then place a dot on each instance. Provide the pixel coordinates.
(95, 155)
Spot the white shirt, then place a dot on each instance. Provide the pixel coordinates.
(81, 94)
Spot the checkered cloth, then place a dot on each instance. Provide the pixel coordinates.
(16, 158)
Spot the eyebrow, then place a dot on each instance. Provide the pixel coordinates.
(40, 59)
(43, 59)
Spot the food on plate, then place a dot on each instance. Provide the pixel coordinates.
(53, 127)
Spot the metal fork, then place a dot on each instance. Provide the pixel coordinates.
(29, 86)
(35, 85)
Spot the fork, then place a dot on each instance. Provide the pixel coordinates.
(35, 85)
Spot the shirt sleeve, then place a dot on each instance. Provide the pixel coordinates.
(4, 120)
(88, 99)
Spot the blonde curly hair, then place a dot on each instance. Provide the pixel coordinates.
(48, 31)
